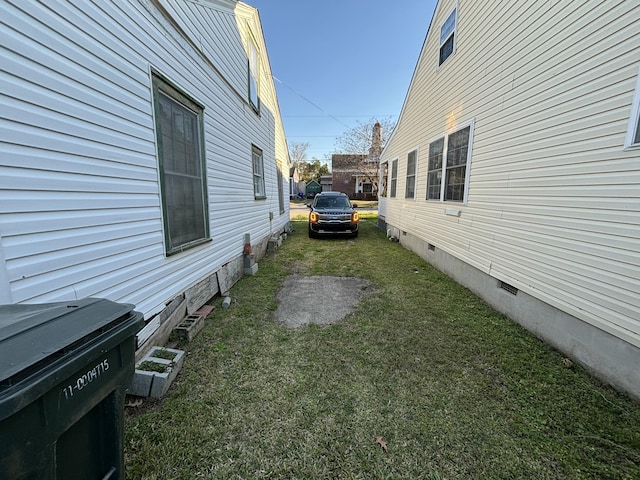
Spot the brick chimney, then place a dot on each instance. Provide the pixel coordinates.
(376, 142)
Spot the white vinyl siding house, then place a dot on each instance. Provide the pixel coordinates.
(545, 202)
(126, 167)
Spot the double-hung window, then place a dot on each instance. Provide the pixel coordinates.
(258, 173)
(449, 163)
(181, 161)
(394, 178)
(633, 134)
(447, 36)
(410, 188)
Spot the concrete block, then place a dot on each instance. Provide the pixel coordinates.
(148, 383)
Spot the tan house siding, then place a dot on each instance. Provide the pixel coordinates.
(553, 202)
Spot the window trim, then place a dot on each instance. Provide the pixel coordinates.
(383, 181)
(161, 85)
(443, 177)
(453, 33)
(633, 129)
(429, 170)
(280, 177)
(253, 77)
(258, 175)
(393, 183)
(414, 175)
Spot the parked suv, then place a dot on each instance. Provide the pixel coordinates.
(332, 214)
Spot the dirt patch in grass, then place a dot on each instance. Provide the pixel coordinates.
(316, 299)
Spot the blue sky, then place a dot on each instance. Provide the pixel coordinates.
(338, 62)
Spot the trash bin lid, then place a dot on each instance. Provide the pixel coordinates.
(30, 334)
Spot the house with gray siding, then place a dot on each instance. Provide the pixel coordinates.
(141, 149)
(515, 169)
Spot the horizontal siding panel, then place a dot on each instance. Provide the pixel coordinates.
(47, 120)
(19, 156)
(68, 50)
(100, 249)
(117, 263)
(55, 242)
(48, 180)
(15, 204)
(541, 248)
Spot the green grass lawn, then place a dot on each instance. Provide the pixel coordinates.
(455, 389)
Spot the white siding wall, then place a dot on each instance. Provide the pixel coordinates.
(554, 199)
(80, 212)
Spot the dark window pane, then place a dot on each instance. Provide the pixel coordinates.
(455, 184)
(435, 154)
(410, 189)
(637, 139)
(458, 147)
(394, 177)
(446, 49)
(434, 181)
(185, 209)
(411, 163)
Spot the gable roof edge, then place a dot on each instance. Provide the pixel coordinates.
(413, 76)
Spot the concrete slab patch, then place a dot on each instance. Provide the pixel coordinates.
(322, 300)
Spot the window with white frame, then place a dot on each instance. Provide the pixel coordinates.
(254, 74)
(434, 173)
(447, 36)
(181, 162)
(456, 167)
(449, 163)
(384, 174)
(258, 173)
(633, 134)
(410, 187)
(394, 178)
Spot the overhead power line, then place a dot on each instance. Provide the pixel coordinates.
(310, 102)
(337, 116)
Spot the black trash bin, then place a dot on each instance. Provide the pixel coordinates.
(64, 371)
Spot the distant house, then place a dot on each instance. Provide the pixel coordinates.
(142, 143)
(515, 169)
(312, 188)
(326, 182)
(345, 170)
(295, 185)
(357, 175)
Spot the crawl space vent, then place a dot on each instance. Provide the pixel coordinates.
(509, 288)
